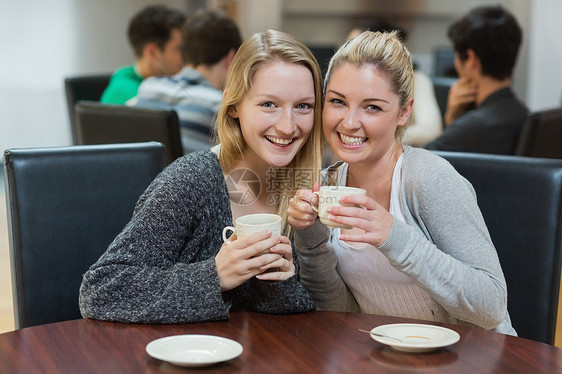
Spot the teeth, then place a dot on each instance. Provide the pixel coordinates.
(279, 141)
(352, 140)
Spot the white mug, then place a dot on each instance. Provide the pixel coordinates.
(329, 196)
(251, 223)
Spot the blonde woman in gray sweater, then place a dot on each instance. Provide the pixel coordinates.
(419, 247)
(169, 264)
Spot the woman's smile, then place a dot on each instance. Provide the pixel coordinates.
(281, 142)
(352, 140)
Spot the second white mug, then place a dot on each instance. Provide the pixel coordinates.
(329, 196)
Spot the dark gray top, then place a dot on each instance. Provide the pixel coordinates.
(493, 127)
(161, 267)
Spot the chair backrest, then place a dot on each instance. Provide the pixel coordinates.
(88, 87)
(444, 62)
(65, 205)
(441, 86)
(541, 135)
(521, 201)
(98, 123)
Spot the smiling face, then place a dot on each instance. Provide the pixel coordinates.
(361, 113)
(277, 114)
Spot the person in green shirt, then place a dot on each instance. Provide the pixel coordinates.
(155, 35)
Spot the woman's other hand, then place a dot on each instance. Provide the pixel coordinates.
(281, 268)
(369, 216)
(242, 259)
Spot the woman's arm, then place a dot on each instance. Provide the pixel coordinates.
(161, 267)
(318, 274)
(459, 267)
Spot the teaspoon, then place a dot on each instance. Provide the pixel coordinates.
(382, 336)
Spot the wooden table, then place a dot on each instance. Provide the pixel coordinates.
(316, 342)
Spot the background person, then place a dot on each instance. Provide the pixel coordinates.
(210, 40)
(155, 35)
(419, 247)
(483, 114)
(170, 265)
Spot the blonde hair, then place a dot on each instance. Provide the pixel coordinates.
(262, 49)
(385, 52)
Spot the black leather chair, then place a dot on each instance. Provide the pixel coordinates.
(98, 123)
(87, 87)
(521, 201)
(444, 62)
(541, 135)
(65, 205)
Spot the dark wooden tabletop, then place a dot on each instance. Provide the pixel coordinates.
(316, 342)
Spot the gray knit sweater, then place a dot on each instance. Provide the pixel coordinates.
(444, 246)
(161, 267)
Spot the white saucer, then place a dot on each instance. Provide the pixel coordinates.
(415, 337)
(194, 350)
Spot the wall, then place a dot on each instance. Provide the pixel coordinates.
(545, 55)
(36, 54)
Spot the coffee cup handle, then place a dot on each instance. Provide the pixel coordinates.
(314, 207)
(224, 231)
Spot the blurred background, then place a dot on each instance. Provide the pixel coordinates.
(45, 41)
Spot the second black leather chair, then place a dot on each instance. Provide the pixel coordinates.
(521, 201)
(541, 135)
(98, 123)
(83, 87)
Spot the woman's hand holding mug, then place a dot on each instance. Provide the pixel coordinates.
(258, 248)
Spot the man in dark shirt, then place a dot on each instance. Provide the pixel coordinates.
(483, 114)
